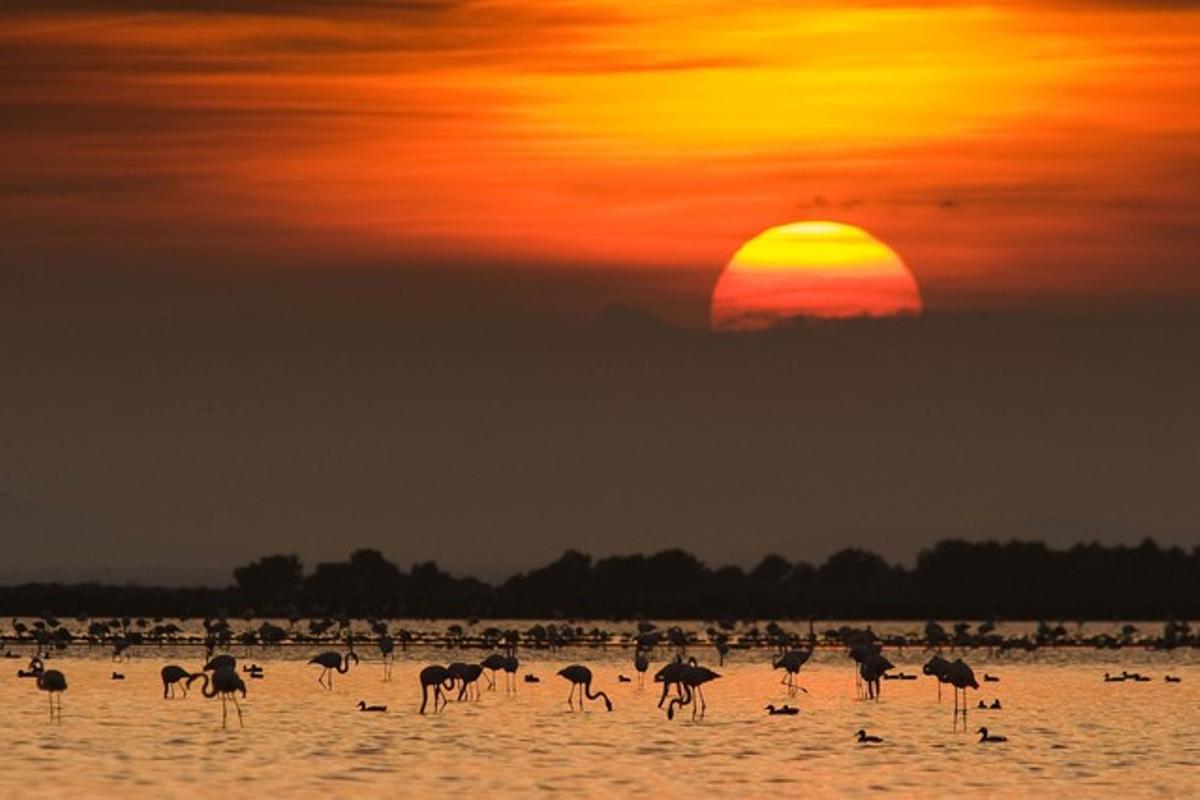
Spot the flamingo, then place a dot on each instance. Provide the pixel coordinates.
(940, 669)
(510, 673)
(641, 663)
(34, 670)
(387, 646)
(791, 662)
(225, 683)
(53, 682)
(671, 673)
(962, 677)
(493, 662)
(441, 680)
(219, 662)
(172, 676)
(866, 738)
(469, 675)
(984, 736)
(581, 678)
(785, 710)
(693, 679)
(330, 661)
(872, 668)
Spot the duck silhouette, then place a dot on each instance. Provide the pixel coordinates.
(362, 706)
(785, 710)
(866, 738)
(984, 736)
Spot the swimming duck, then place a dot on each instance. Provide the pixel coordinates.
(785, 709)
(1173, 679)
(865, 738)
(990, 678)
(362, 706)
(995, 706)
(984, 736)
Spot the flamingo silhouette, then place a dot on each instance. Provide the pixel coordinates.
(641, 663)
(219, 662)
(331, 661)
(962, 677)
(53, 682)
(510, 673)
(441, 680)
(791, 662)
(34, 670)
(225, 683)
(468, 676)
(693, 679)
(872, 668)
(494, 662)
(581, 678)
(939, 668)
(670, 674)
(173, 675)
(387, 647)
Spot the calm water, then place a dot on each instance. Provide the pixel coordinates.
(1070, 733)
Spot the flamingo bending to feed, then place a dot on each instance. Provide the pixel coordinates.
(581, 679)
(438, 677)
(693, 679)
(791, 662)
(469, 675)
(225, 683)
(671, 674)
(331, 661)
(53, 682)
(174, 675)
(494, 663)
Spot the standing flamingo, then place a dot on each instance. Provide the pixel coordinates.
(581, 679)
(641, 663)
(387, 648)
(962, 677)
(330, 661)
(173, 675)
(220, 662)
(510, 673)
(225, 683)
(53, 682)
(940, 669)
(441, 680)
(791, 662)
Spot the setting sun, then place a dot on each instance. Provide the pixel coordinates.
(811, 269)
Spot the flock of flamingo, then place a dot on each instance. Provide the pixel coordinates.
(682, 679)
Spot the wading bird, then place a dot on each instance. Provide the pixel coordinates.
(670, 675)
(220, 662)
(387, 648)
(581, 679)
(468, 676)
(438, 678)
(510, 674)
(53, 683)
(641, 663)
(693, 679)
(791, 662)
(494, 663)
(331, 661)
(225, 683)
(174, 676)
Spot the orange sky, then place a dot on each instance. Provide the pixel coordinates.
(1015, 154)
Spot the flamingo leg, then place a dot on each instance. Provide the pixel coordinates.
(239, 712)
(224, 713)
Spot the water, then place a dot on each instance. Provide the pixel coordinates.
(1069, 732)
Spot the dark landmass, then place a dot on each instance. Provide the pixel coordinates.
(954, 579)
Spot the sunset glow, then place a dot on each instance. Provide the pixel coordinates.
(814, 269)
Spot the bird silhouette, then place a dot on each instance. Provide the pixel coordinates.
(219, 662)
(871, 668)
(962, 677)
(791, 662)
(990, 678)
(387, 648)
(866, 738)
(225, 683)
(362, 706)
(510, 673)
(467, 675)
(984, 736)
(1173, 679)
(532, 679)
(693, 679)
(671, 674)
(995, 706)
(641, 663)
(438, 678)
(331, 661)
(173, 676)
(53, 683)
(494, 663)
(624, 679)
(785, 710)
(34, 670)
(581, 679)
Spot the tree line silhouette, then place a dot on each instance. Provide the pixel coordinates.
(952, 579)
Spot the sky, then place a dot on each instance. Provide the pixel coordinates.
(306, 275)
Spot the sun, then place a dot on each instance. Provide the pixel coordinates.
(811, 269)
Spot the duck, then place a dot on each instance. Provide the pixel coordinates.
(990, 678)
(785, 710)
(624, 679)
(1173, 679)
(1114, 678)
(984, 736)
(982, 706)
(117, 676)
(995, 706)
(532, 679)
(866, 738)
(362, 706)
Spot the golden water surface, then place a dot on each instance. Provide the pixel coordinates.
(1069, 732)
